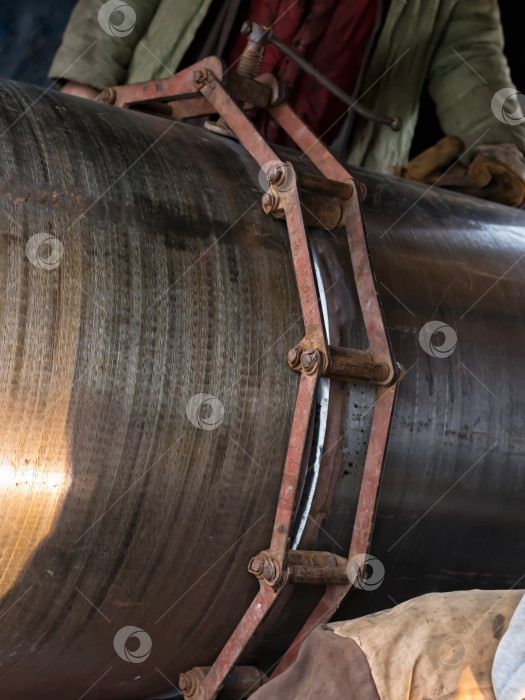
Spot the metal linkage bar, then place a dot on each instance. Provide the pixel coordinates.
(364, 521)
(327, 201)
(332, 169)
(178, 87)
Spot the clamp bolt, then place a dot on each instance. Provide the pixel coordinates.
(268, 202)
(269, 572)
(199, 78)
(275, 175)
(256, 566)
(185, 683)
(294, 357)
(309, 360)
(264, 568)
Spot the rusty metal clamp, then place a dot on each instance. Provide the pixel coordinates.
(329, 200)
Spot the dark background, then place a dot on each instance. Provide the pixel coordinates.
(30, 33)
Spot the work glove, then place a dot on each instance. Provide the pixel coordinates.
(496, 172)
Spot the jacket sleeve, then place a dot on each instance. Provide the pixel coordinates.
(508, 669)
(467, 70)
(99, 41)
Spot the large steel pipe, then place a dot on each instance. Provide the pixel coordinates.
(147, 305)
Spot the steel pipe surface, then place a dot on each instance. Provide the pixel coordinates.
(147, 306)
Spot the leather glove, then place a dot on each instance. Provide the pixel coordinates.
(496, 172)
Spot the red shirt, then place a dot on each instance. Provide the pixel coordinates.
(333, 35)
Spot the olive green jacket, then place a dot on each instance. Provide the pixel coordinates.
(457, 45)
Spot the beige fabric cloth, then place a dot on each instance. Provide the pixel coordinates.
(439, 645)
(328, 667)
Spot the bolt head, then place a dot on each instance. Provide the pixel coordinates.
(269, 572)
(293, 357)
(184, 682)
(309, 360)
(256, 565)
(198, 76)
(268, 202)
(275, 175)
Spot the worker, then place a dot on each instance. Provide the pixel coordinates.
(466, 645)
(382, 51)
